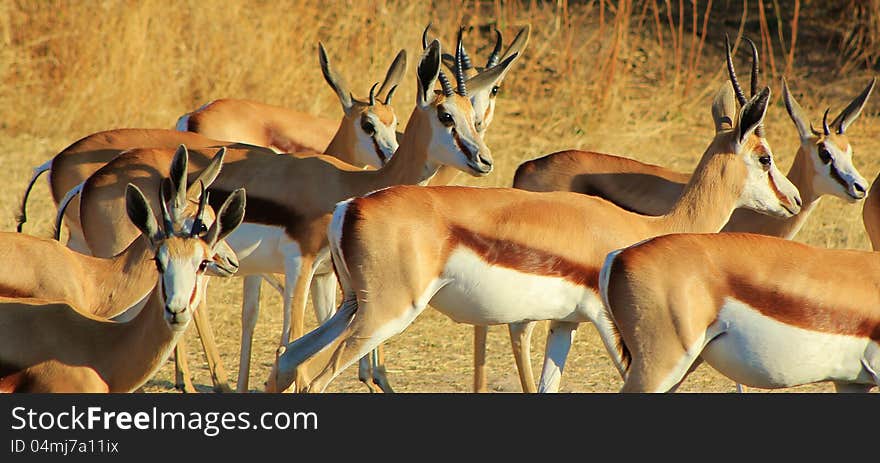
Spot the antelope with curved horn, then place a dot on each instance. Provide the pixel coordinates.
(366, 136)
(822, 166)
(53, 346)
(483, 100)
(763, 311)
(489, 256)
(292, 199)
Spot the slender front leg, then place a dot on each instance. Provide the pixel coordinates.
(380, 374)
(480, 381)
(182, 377)
(558, 344)
(521, 341)
(365, 373)
(250, 311)
(215, 365)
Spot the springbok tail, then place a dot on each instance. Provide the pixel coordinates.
(68, 197)
(605, 323)
(21, 218)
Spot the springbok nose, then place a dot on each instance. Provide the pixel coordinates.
(859, 187)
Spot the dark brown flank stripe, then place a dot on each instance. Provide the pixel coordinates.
(353, 214)
(6, 291)
(802, 312)
(260, 210)
(520, 257)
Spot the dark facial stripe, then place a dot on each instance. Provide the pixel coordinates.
(379, 153)
(835, 174)
(520, 257)
(802, 312)
(781, 197)
(467, 152)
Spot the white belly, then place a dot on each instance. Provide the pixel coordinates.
(759, 351)
(259, 248)
(481, 294)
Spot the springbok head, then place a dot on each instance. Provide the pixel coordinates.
(829, 149)
(741, 133)
(372, 122)
(182, 253)
(449, 113)
(484, 100)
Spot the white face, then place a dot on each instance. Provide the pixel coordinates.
(835, 173)
(377, 141)
(455, 140)
(181, 275)
(224, 262)
(766, 190)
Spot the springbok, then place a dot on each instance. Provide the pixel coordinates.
(366, 136)
(822, 166)
(292, 199)
(871, 214)
(483, 101)
(763, 311)
(55, 346)
(489, 256)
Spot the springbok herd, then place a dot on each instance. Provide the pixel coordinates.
(632, 248)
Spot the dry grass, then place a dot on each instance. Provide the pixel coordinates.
(632, 78)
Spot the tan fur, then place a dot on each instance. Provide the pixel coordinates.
(394, 242)
(58, 346)
(663, 294)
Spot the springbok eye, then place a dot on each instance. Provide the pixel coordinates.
(446, 118)
(204, 265)
(368, 127)
(765, 160)
(495, 90)
(824, 154)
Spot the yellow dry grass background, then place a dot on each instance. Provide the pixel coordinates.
(593, 76)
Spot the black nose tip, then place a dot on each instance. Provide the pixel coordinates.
(858, 187)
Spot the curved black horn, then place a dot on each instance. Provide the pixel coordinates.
(167, 222)
(759, 130)
(466, 60)
(373, 94)
(825, 129)
(441, 77)
(199, 221)
(740, 96)
(496, 52)
(460, 79)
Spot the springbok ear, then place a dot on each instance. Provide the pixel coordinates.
(519, 42)
(393, 77)
(335, 80)
(140, 213)
(429, 69)
(795, 112)
(487, 79)
(724, 107)
(179, 167)
(229, 217)
(752, 114)
(208, 175)
(852, 111)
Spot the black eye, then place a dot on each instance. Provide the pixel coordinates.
(368, 127)
(203, 265)
(824, 155)
(495, 90)
(446, 119)
(765, 160)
